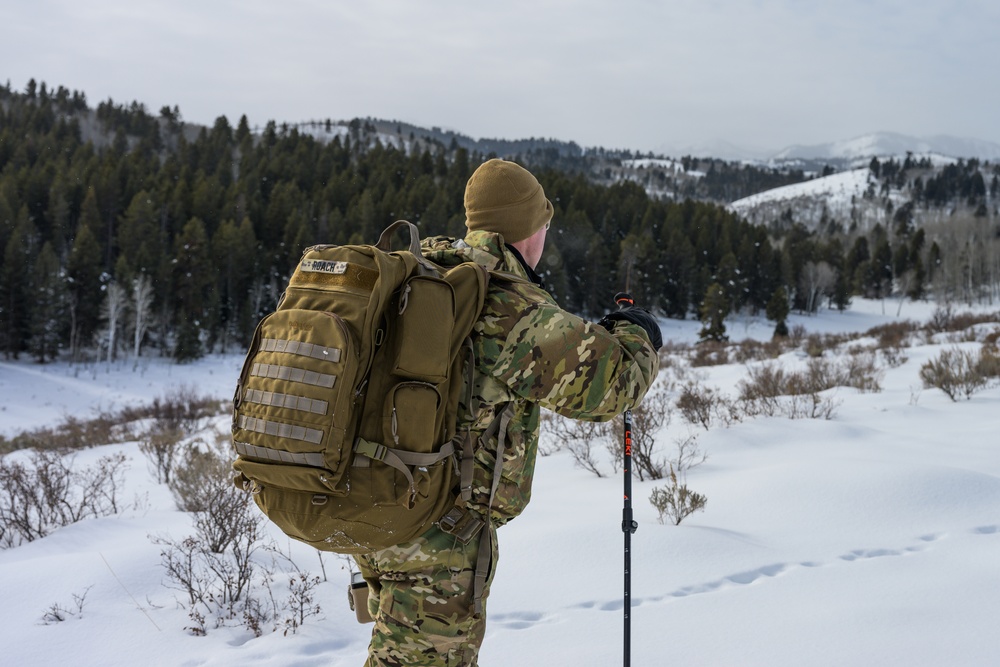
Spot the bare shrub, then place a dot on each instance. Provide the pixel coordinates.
(674, 501)
(862, 372)
(754, 350)
(581, 439)
(892, 339)
(988, 363)
(216, 584)
(49, 493)
(970, 320)
(770, 391)
(671, 353)
(687, 454)
(237, 585)
(945, 372)
(946, 319)
(160, 448)
(893, 334)
(959, 372)
(648, 418)
(760, 391)
(858, 370)
(301, 601)
(814, 345)
(702, 406)
(710, 353)
(202, 484)
(820, 375)
(797, 335)
(673, 348)
(226, 571)
(696, 404)
(58, 613)
(809, 406)
(181, 411)
(991, 338)
(894, 356)
(73, 433)
(941, 318)
(969, 335)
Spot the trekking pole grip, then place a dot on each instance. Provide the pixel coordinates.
(624, 300)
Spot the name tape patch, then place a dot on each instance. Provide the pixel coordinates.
(324, 266)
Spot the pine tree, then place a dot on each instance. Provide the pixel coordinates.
(48, 313)
(677, 267)
(83, 278)
(58, 215)
(714, 310)
(193, 281)
(233, 255)
(15, 285)
(880, 272)
(728, 277)
(856, 257)
(777, 311)
(599, 283)
(90, 216)
(140, 242)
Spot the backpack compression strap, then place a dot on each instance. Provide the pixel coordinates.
(402, 460)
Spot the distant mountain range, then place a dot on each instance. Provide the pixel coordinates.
(839, 154)
(876, 144)
(890, 143)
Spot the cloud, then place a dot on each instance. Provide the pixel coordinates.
(636, 73)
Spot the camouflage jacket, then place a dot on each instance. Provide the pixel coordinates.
(531, 354)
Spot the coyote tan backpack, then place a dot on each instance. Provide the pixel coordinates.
(345, 412)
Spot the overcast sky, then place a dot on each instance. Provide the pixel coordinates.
(639, 74)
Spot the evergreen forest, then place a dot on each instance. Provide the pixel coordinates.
(123, 231)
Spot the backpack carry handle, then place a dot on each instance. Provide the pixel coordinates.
(385, 242)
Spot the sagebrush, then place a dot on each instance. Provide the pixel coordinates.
(50, 490)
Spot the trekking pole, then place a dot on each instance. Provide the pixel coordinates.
(629, 525)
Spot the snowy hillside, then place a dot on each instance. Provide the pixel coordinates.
(836, 190)
(869, 538)
(831, 198)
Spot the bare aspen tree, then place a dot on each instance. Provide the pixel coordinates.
(112, 311)
(817, 278)
(142, 308)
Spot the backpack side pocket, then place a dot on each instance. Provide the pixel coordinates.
(426, 309)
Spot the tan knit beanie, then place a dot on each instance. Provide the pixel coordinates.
(504, 197)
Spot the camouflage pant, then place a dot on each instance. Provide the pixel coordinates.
(420, 594)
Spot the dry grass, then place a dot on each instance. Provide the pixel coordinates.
(179, 411)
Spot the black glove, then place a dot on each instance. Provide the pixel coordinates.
(639, 316)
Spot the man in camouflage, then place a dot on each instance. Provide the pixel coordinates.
(427, 596)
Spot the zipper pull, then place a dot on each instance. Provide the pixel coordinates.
(395, 428)
(404, 298)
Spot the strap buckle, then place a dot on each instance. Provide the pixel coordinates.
(462, 523)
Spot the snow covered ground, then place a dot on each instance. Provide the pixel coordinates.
(872, 538)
